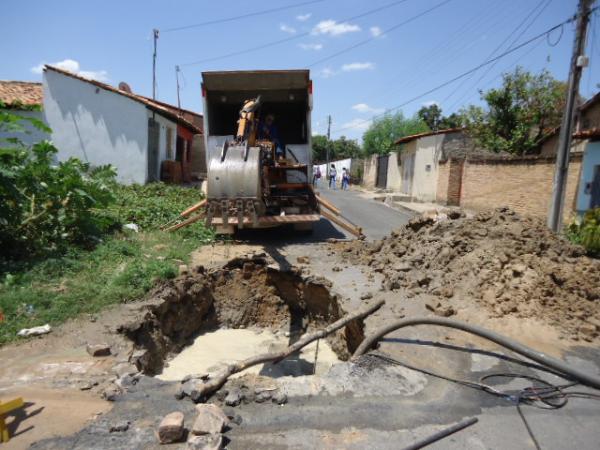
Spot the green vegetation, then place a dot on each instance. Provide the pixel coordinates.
(518, 114)
(586, 232)
(435, 120)
(384, 131)
(341, 148)
(63, 248)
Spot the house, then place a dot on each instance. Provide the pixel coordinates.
(25, 99)
(585, 147)
(419, 158)
(101, 124)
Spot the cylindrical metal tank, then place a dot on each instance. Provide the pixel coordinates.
(233, 177)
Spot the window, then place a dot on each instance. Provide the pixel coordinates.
(169, 143)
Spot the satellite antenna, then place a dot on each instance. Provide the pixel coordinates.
(124, 87)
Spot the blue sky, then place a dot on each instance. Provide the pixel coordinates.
(112, 41)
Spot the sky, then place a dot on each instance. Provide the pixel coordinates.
(365, 57)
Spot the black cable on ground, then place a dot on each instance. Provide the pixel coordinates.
(539, 357)
(442, 434)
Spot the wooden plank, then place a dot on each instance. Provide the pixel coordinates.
(357, 231)
(192, 209)
(328, 205)
(291, 218)
(11, 405)
(187, 222)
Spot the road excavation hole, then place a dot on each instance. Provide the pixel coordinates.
(204, 320)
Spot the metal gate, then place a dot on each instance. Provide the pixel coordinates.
(595, 189)
(382, 169)
(153, 139)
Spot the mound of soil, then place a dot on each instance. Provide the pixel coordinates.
(511, 265)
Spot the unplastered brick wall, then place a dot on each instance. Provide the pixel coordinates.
(523, 184)
(449, 182)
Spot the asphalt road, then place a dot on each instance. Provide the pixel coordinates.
(375, 218)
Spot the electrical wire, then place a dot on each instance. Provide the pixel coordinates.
(290, 38)
(464, 74)
(240, 17)
(383, 33)
(510, 35)
(544, 395)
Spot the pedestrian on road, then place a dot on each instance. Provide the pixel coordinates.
(345, 179)
(332, 176)
(317, 177)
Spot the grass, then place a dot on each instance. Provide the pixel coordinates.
(120, 269)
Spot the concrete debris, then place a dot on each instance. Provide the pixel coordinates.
(205, 442)
(210, 420)
(233, 398)
(303, 260)
(98, 349)
(183, 269)
(171, 428)
(111, 393)
(35, 331)
(279, 397)
(119, 427)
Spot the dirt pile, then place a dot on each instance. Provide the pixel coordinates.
(245, 293)
(510, 264)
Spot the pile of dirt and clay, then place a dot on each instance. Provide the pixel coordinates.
(245, 293)
(512, 265)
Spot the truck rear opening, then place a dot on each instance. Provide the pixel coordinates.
(258, 146)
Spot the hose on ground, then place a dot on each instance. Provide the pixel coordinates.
(534, 355)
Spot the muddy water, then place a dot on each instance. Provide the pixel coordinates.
(216, 349)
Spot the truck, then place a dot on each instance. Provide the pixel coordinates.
(257, 131)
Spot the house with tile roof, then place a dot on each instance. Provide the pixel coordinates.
(144, 139)
(25, 99)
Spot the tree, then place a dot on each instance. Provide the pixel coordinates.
(338, 148)
(431, 115)
(454, 120)
(518, 114)
(383, 132)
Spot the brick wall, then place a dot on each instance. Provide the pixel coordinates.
(523, 184)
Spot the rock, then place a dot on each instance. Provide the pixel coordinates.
(303, 260)
(279, 397)
(111, 393)
(196, 376)
(119, 427)
(123, 369)
(98, 349)
(171, 428)
(248, 270)
(183, 269)
(402, 267)
(447, 291)
(262, 396)
(336, 269)
(205, 442)
(366, 296)
(234, 398)
(588, 330)
(86, 385)
(211, 420)
(35, 331)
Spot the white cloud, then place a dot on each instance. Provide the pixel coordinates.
(73, 66)
(358, 66)
(310, 46)
(327, 72)
(303, 17)
(364, 108)
(333, 28)
(357, 124)
(376, 31)
(287, 29)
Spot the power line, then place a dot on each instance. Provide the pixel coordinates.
(489, 68)
(242, 16)
(290, 38)
(372, 38)
(464, 74)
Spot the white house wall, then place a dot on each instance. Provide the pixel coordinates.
(97, 126)
(425, 173)
(32, 134)
(394, 176)
(162, 140)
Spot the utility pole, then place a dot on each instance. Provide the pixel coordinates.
(177, 70)
(327, 148)
(578, 62)
(155, 37)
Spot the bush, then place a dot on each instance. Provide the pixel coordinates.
(46, 207)
(586, 232)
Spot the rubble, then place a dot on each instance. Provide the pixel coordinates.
(210, 420)
(509, 264)
(171, 428)
(98, 349)
(205, 442)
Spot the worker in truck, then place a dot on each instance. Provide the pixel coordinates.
(268, 131)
